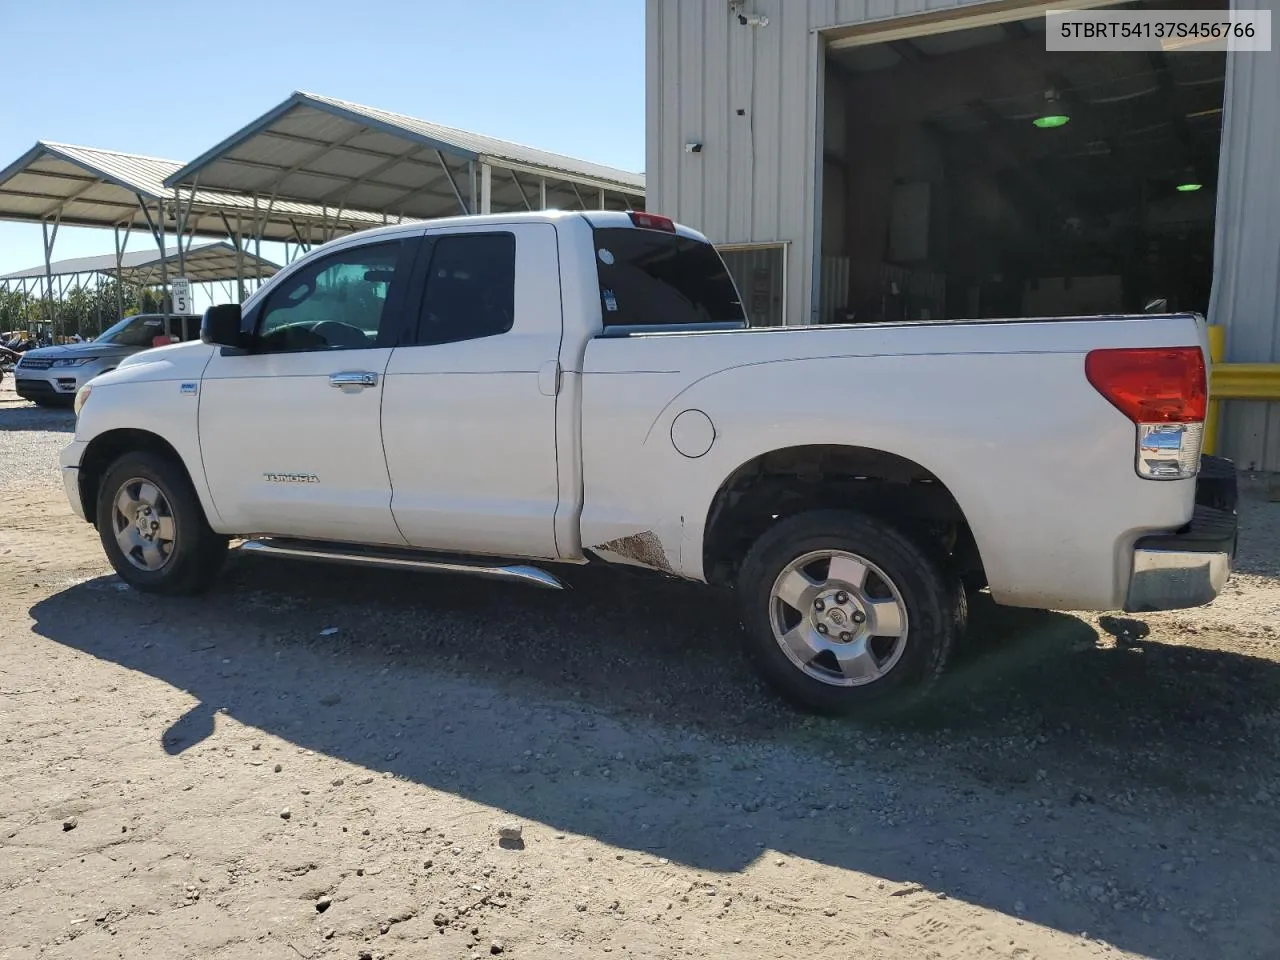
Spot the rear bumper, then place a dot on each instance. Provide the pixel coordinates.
(1189, 567)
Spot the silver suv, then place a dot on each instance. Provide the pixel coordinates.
(52, 375)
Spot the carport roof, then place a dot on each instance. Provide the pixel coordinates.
(318, 149)
(204, 263)
(89, 187)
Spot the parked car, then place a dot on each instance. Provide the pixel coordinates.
(501, 395)
(52, 375)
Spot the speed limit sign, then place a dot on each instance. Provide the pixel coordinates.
(180, 294)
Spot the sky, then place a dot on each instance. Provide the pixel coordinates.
(170, 79)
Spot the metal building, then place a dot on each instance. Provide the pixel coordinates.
(748, 114)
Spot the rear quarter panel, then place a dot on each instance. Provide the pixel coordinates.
(1040, 463)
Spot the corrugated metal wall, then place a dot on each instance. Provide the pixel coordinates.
(750, 96)
(1246, 285)
(753, 181)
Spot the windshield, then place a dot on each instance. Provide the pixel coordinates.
(132, 332)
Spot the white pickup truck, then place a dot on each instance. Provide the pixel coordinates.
(501, 395)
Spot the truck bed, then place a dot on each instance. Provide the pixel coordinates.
(999, 411)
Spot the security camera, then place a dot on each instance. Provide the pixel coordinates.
(694, 147)
(753, 19)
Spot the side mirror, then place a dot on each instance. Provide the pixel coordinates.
(221, 326)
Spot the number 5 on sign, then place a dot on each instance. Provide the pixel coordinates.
(180, 295)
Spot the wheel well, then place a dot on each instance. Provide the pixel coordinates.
(785, 482)
(104, 450)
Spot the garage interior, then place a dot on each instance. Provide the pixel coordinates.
(972, 174)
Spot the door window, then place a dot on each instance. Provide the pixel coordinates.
(471, 288)
(337, 303)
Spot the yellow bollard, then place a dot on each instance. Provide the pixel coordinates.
(1217, 346)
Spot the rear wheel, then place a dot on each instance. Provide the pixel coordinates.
(845, 614)
(153, 529)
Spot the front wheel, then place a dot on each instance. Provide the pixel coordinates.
(153, 529)
(846, 614)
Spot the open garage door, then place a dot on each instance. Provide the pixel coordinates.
(970, 173)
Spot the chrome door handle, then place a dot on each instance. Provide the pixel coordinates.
(353, 378)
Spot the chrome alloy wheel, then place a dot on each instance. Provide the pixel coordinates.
(838, 617)
(143, 524)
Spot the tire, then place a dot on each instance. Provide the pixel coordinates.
(906, 593)
(184, 555)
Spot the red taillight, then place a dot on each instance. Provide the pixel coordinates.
(1151, 384)
(652, 221)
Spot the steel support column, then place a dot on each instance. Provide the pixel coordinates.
(49, 240)
(453, 183)
(164, 265)
(120, 247)
(157, 232)
(181, 216)
(239, 241)
(486, 188)
(524, 198)
(234, 235)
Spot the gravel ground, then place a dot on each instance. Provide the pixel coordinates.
(318, 762)
(30, 439)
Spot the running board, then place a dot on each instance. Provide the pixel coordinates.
(392, 559)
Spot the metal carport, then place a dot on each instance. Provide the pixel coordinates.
(205, 263)
(335, 153)
(55, 183)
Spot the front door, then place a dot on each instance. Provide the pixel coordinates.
(290, 432)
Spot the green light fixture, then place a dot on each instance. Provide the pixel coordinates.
(1051, 120)
(1189, 183)
(1051, 116)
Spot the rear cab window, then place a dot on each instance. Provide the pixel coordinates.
(655, 279)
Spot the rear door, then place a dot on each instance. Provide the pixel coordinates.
(469, 410)
(289, 433)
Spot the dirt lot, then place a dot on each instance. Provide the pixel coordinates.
(315, 762)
